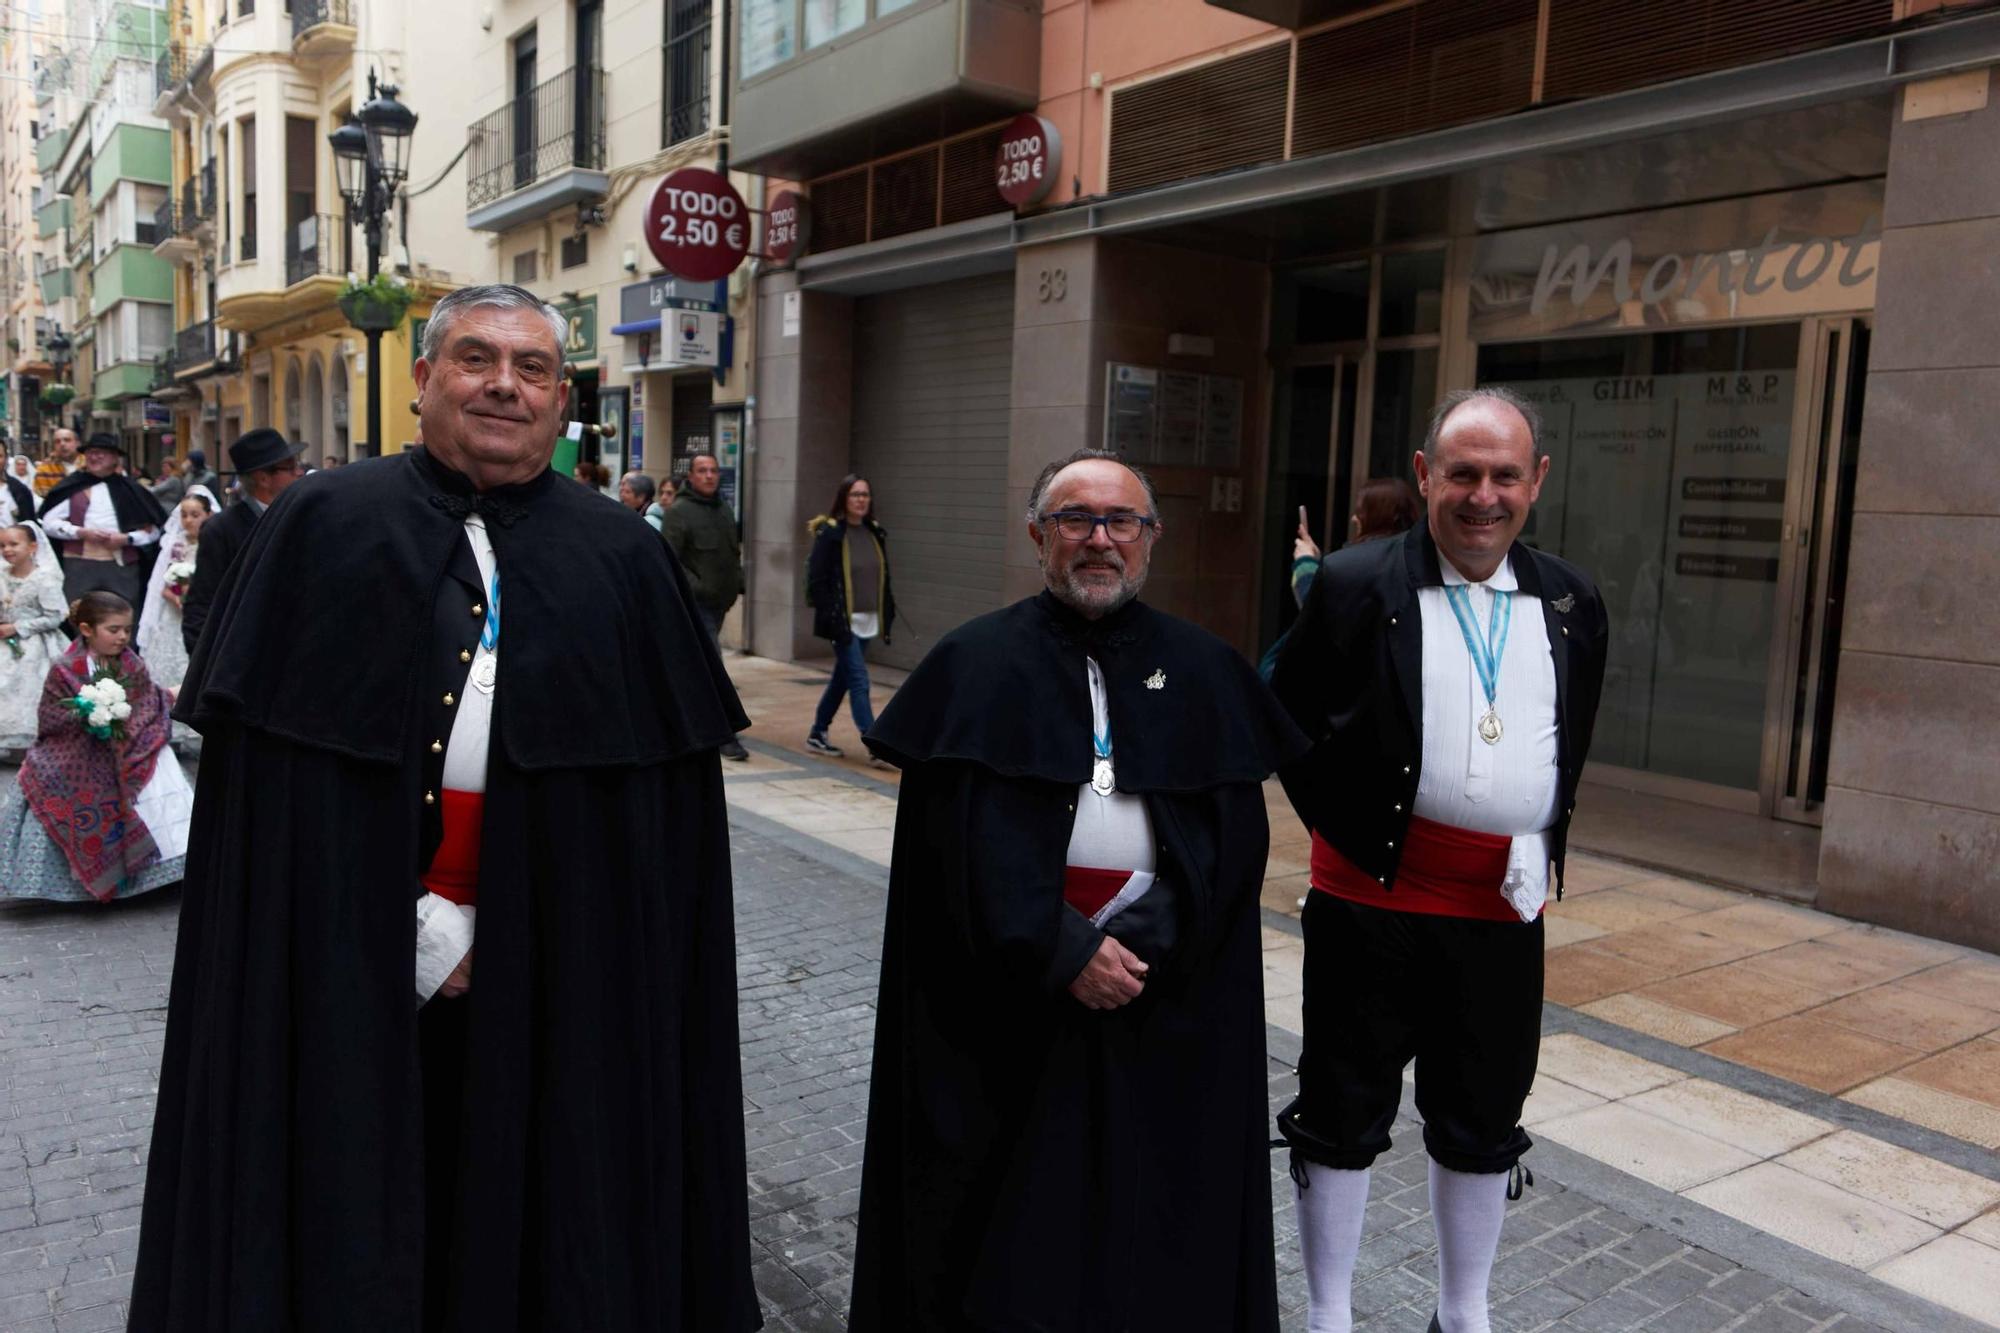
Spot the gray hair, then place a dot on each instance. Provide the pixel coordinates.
(641, 485)
(1491, 393)
(501, 295)
(1038, 497)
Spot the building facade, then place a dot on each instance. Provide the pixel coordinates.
(1744, 266)
(581, 108)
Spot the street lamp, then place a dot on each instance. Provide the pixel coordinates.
(371, 155)
(58, 347)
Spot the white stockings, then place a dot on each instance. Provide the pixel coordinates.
(1468, 1210)
(1329, 1211)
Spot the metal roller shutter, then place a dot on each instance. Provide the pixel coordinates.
(933, 377)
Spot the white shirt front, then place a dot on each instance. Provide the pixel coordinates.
(1112, 831)
(100, 515)
(1511, 788)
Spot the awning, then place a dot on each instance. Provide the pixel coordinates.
(637, 326)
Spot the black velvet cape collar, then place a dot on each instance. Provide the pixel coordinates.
(1009, 691)
(135, 506)
(321, 627)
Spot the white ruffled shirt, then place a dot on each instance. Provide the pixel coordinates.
(1511, 788)
(444, 929)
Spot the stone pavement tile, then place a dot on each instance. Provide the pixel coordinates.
(1984, 1229)
(1957, 1273)
(1587, 873)
(758, 764)
(1839, 963)
(1684, 892)
(1814, 1215)
(1697, 1314)
(1536, 1307)
(1282, 893)
(1654, 1150)
(1768, 925)
(1615, 1312)
(1819, 1055)
(1752, 1124)
(1560, 928)
(1971, 1070)
(1674, 945)
(1974, 981)
(1595, 1067)
(1739, 994)
(1575, 975)
(1623, 909)
(1941, 1195)
(1894, 1012)
(1656, 1019)
(1895, 946)
(1551, 1098)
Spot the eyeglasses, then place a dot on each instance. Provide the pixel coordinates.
(1077, 526)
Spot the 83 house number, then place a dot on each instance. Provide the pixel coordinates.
(1052, 285)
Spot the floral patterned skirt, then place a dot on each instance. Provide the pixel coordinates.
(32, 866)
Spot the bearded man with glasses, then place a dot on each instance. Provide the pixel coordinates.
(1067, 1125)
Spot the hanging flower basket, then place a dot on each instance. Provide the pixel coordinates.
(58, 395)
(378, 304)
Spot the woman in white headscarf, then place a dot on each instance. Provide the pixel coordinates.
(32, 608)
(159, 636)
(17, 497)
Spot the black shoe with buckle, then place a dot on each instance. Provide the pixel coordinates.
(733, 749)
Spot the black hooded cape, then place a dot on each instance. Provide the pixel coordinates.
(1031, 1164)
(601, 1155)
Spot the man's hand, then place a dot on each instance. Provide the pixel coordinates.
(460, 980)
(1303, 546)
(1112, 978)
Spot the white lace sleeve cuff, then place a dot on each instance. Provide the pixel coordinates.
(444, 935)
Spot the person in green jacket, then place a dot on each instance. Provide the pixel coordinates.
(701, 529)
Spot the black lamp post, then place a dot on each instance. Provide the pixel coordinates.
(371, 153)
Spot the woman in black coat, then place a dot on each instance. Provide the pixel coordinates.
(847, 585)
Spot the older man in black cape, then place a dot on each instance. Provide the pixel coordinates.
(105, 525)
(555, 1142)
(1067, 1125)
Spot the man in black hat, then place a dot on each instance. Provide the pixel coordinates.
(106, 526)
(266, 464)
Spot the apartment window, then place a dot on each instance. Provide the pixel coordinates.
(828, 19)
(246, 139)
(686, 102)
(576, 250)
(524, 268)
(776, 30)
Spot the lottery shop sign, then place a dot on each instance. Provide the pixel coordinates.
(697, 225)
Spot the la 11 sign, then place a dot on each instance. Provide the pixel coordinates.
(1030, 157)
(697, 225)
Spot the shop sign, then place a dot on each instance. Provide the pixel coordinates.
(641, 301)
(785, 227)
(1030, 156)
(697, 225)
(132, 414)
(157, 414)
(1173, 418)
(1765, 257)
(580, 334)
(693, 337)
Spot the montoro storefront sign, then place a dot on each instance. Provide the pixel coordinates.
(1671, 276)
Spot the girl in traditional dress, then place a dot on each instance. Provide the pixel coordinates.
(31, 616)
(101, 810)
(159, 638)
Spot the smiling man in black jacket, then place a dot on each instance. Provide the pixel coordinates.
(1448, 680)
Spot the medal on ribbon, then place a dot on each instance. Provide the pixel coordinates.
(1486, 650)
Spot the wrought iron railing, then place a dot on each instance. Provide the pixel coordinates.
(206, 212)
(195, 343)
(308, 14)
(166, 220)
(686, 104)
(163, 369)
(316, 244)
(559, 125)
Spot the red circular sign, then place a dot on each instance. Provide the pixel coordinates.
(1030, 157)
(785, 227)
(697, 226)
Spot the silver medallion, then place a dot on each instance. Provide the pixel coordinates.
(1489, 727)
(1101, 779)
(485, 674)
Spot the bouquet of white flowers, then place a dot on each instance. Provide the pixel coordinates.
(179, 574)
(103, 706)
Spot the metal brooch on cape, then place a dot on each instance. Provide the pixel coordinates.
(1158, 680)
(1565, 602)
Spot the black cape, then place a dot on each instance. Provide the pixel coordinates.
(135, 506)
(24, 500)
(1033, 1165)
(601, 1162)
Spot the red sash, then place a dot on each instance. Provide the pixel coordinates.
(1445, 871)
(1087, 890)
(454, 871)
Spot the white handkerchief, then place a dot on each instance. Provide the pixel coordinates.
(1526, 887)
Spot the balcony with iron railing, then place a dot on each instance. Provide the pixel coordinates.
(537, 153)
(322, 27)
(317, 244)
(163, 369)
(173, 231)
(195, 344)
(202, 206)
